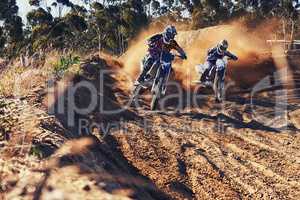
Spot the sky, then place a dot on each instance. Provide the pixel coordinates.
(24, 6)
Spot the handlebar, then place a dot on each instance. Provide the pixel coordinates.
(229, 58)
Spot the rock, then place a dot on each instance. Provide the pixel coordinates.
(86, 188)
(50, 188)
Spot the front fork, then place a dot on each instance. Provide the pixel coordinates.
(166, 79)
(162, 73)
(221, 74)
(156, 79)
(219, 83)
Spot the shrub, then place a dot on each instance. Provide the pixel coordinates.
(65, 63)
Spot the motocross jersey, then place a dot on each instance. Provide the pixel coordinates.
(156, 46)
(213, 55)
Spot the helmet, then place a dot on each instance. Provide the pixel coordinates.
(169, 34)
(222, 46)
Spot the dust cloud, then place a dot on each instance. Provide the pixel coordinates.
(249, 44)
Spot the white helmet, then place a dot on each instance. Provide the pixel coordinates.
(222, 46)
(169, 34)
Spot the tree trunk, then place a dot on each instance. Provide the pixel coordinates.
(284, 34)
(99, 43)
(123, 44)
(292, 33)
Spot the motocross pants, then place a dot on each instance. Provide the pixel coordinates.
(146, 65)
(151, 61)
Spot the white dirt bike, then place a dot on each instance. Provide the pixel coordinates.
(216, 77)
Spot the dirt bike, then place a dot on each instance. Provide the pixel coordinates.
(216, 76)
(157, 79)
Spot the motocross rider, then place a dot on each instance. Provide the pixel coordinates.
(158, 45)
(213, 54)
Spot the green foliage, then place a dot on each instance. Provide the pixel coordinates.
(41, 42)
(8, 8)
(75, 22)
(112, 26)
(14, 29)
(36, 151)
(211, 12)
(40, 31)
(34, 2)
(65, 63)
(39, 16)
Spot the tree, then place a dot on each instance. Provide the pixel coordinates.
(38, 17)
(12, 29)
(13, 26)
(155, 6)
(111, 24)
(35, 3)
(8, 8)
(2, 39)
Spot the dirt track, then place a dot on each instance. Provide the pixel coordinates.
(203, 152)
(215, 152)
(198, 161)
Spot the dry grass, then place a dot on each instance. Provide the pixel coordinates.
(17, 81)
(19, 125)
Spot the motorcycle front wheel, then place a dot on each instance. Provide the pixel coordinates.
(218, 88)
(136, 91)
(156, 93)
